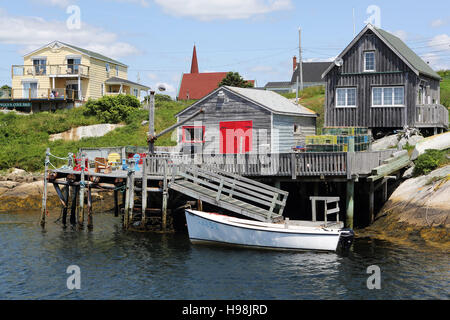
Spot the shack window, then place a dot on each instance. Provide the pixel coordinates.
(388, 96)
(369, 61)
(193, 134)
(346, 97)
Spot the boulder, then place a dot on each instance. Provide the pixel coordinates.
(384, 143)
(439, 142)
(75, 134)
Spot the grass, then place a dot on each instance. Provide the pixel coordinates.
(312, 98)
(445, 89)
(24, 138)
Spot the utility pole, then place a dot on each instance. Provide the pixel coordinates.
(151, 123)
(300, 63)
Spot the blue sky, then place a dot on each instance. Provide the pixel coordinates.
(256, 38)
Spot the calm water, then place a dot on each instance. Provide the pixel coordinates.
(119, 265)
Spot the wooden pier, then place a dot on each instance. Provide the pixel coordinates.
(237, 183)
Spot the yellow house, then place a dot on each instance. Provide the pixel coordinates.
(60, 75)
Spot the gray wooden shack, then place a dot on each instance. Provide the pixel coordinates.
(244, 120)
(379, 82)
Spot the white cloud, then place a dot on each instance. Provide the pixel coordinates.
(438, 23)
(207, 10)
(440, 42)
(435, 61)
(59, 3)
(401, 34)
(66, 3)
(152, 76)
(142, 3)
(33, 32)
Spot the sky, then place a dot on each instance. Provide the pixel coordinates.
(257, 38)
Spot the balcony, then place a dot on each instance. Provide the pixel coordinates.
(431, 115)
(38, 94)
(51, 70)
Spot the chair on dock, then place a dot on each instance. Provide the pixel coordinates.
(102, 164)
(114, 160)
(77, 163)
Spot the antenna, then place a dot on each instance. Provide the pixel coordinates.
(354, 26)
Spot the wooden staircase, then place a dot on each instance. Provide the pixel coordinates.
(229, 191)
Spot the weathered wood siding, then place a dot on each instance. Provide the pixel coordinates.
(234, 108)
(390, 70)
(283, 136)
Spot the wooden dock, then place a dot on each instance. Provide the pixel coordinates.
(225, 181)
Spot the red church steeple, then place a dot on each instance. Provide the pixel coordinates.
(194, 64)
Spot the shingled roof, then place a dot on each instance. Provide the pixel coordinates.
(408, 56)
(312, 71)
(266, 99)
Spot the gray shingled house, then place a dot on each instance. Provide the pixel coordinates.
(380, 83)
(312, 76)
(244, 120)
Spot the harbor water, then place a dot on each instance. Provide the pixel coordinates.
(130, 265)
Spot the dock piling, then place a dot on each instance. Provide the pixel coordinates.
(144, 191)
(82, 189)
(165, 198)
(44, 194)
(90, 224)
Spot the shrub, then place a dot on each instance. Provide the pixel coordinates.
(112, 109)
(429, 161)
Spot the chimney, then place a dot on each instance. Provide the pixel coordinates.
(294, 63)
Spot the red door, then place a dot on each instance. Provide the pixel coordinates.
(236, 136)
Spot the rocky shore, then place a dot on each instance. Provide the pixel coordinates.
(20, 190)
(417, 212)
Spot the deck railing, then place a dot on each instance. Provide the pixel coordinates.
(431, 115)
(65, 70)
(282, 165)
(31, 93)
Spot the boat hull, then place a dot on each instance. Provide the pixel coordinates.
(215, 229)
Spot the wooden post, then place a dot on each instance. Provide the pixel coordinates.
(144, 191)
(131, 201)
(82, 187)
(116, 203)
(349, 202)
(350, 184)
(126, 203)
(371, 202)
(73, 209)
(44, 194)
(89, 205)
(66, 205)
(165, 197)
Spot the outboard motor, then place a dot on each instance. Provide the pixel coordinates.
(346, 239)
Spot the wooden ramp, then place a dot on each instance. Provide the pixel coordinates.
(230, 191)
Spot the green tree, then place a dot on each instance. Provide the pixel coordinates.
(234, 79)
(112, 109)
(4, 90)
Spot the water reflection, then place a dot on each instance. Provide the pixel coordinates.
(124, 265)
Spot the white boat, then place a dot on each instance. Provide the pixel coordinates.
(212, 228)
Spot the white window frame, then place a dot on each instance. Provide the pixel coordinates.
(393, 105)
(374, 62)
(346, 98)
